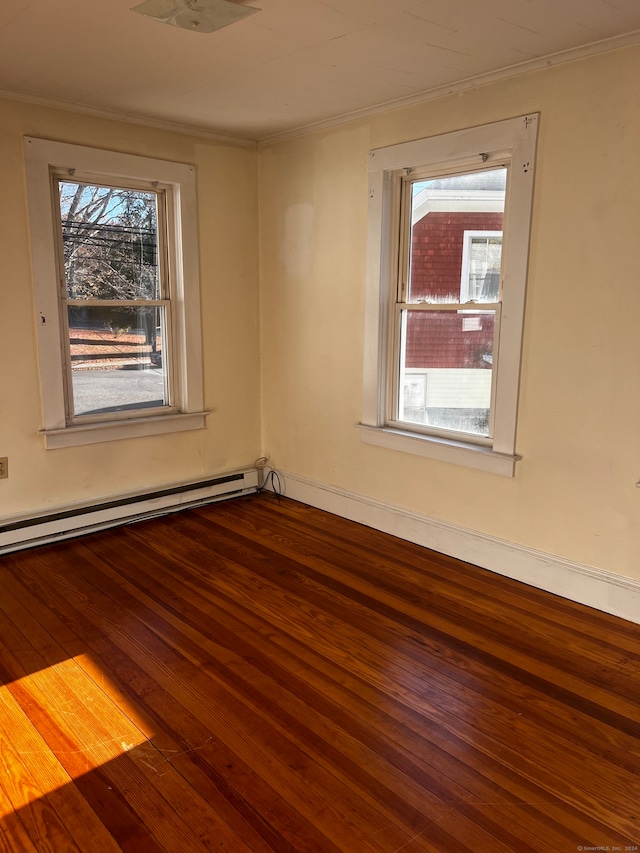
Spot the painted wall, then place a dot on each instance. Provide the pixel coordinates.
(227, 202)
(574, 493)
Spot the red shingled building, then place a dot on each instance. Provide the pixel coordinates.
(437, 242)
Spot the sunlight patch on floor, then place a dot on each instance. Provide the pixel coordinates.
(59, 723)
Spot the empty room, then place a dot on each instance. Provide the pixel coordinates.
(319, 446)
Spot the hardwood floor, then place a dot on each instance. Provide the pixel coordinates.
(258, 675)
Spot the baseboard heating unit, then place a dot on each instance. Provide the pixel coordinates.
(74, 520)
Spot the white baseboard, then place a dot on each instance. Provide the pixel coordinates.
(602, 590)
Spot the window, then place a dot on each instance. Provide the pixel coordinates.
(116, 310)
(481, 262)
(117, 293)
(445, 296)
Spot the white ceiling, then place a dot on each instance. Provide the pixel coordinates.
(294, 63)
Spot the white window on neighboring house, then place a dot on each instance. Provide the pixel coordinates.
(445, 296)
(117, 293)
(481, 263)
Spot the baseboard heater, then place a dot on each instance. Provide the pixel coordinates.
(75, 520)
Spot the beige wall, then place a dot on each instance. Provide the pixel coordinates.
(227, 202)
(574, 492)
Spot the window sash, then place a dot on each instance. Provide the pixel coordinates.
(164, 210)
(168, 360)
(394, 374)
(117, 303)
(405, 180)
(164, 214)
(475, 307)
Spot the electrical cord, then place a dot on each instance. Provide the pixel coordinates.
(271, 478)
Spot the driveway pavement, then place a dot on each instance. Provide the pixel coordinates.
(101, 390)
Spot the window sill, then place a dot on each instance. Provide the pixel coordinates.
(115, 430)
(444, 450)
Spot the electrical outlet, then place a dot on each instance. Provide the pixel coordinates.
(4, 467)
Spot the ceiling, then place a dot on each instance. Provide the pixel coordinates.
(295, 63)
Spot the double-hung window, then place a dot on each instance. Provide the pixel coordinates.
(115, 299)
(447, 262)
(117, 293)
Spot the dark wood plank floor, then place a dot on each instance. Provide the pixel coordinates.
(261, 676)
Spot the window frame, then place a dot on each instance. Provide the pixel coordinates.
(45, 160)
(509, 143)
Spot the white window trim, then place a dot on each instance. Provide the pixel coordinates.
(41, 156)
(509, 142)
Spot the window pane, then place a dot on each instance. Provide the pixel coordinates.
(117, 358)
(446, 363)
(446, 247)
(110, 242)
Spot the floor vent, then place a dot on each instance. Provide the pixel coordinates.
(65, 522)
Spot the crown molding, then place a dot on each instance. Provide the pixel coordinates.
(130, 118)
(459, 86)
(464, 85)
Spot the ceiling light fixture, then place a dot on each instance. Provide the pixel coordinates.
(202, 16)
